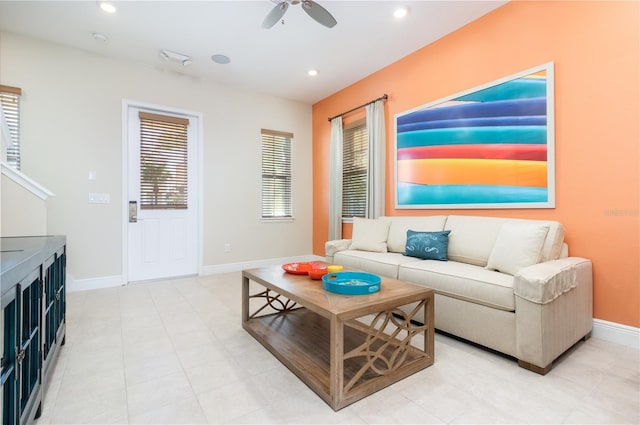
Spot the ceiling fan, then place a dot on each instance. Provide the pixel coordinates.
(313, 9)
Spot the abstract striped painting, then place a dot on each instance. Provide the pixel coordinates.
(489, 147)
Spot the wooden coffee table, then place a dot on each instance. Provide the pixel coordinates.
(343, 347)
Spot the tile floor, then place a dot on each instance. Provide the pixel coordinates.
(174, 352)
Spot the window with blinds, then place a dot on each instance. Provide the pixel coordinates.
(10, 101)
(354, 169)
(163, 162)
(276, 174)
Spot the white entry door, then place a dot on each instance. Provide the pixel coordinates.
(162, 228)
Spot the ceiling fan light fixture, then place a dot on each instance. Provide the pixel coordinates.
(311, 8)
(400, 12)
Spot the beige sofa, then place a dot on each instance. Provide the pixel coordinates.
(507, 284)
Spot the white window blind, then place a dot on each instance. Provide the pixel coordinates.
(10, 100)
(354, 170)
(276, 174)
(163, 162)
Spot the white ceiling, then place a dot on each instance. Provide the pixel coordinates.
(366, 38)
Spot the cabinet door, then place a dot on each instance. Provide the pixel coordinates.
(28, 355)
(8, 370)
(53, 307)
(60, 296)
(49, 311)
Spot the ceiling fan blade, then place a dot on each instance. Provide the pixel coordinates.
(318, 13)
(275, 15)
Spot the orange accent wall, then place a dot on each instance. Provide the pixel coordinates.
(595, 48)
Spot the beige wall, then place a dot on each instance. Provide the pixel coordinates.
(23, 213)
(72, 124)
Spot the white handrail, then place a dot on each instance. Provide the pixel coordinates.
(26, 182)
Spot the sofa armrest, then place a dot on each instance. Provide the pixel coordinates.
(331, 247)
(544, 282)
(554, 309)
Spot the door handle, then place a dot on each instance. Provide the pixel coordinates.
(133, 211)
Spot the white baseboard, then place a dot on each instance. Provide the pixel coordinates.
(236, 267)
(616, 332)
(74, 285)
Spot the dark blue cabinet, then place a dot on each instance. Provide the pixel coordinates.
(33, 322)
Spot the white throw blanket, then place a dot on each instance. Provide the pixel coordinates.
(541, 283)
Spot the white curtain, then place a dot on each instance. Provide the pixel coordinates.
(335, 180)
(5, 135)
(377, 149)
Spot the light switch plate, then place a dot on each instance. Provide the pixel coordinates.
(99, 198)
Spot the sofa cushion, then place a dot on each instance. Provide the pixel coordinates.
(399, 225)
(518, 245)
(463, 281)
(472, 237)
(380, 263)
(553, 244)
(370, 235)
(427, 245)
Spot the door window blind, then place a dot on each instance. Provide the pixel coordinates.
(163, 162)
(10, 101)
(354, 170)
(276, 174)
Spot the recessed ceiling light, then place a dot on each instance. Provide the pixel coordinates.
(99, 37)
(107, 7)
(312, 72)
(400, 12)
(221, 59)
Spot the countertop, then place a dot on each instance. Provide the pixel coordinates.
(20, 255)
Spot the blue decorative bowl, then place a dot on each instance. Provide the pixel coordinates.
(351, 283)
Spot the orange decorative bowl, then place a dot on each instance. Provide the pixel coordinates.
(304, 267)
(316, 274)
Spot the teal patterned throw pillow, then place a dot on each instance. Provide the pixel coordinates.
(427, 245)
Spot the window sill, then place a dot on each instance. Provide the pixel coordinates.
(349, 220)
(277, 220)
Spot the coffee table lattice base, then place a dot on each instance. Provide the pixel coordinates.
(343, 348)
(387, 345)
(277, 302)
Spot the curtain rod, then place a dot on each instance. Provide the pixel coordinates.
(383, 97)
